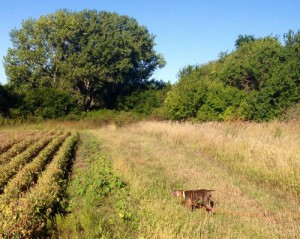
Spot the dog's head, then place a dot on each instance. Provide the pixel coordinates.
(177, 193)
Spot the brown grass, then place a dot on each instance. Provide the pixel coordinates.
(254, 168)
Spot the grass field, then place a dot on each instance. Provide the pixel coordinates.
(122, 177)
(254, 169)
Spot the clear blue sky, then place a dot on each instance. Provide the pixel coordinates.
(187, 31)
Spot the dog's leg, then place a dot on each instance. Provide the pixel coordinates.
(209, 207)
(208, 203)
(189, 204)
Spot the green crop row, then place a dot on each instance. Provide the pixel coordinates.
(17, 163)
(28, 216)
(29, 174)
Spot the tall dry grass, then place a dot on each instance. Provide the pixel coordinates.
(253, 167)
(267, 153)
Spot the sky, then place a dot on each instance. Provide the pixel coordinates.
(188, 32)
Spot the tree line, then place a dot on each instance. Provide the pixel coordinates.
(257, 81)
(70, 62)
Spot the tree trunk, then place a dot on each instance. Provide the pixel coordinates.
(87, 103)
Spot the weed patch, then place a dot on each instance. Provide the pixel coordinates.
(100, 205)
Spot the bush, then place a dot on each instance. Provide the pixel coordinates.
(186, 97)
(223, 103)
(145, 100)
(45, 103)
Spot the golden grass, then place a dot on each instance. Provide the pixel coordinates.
(267, 153)
(254, 168)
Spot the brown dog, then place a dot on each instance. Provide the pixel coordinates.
(196, 198)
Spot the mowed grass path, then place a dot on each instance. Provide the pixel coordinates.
(244, 163)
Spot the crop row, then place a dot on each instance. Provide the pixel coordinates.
(19, 147)
(9, 138)
(29, 174)
(15, 149)
(7, 144)
(27, 217)
(7, 171)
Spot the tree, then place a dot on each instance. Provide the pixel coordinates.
(185, 71)
(258, 81)
(244, 39)
(188, 95)
(292, 55)
(201, 95)
(223, 103)
(81, 52)
(252, 64)
(282, 89)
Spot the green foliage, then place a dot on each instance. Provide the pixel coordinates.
(45, 103)
(292, 113)
(69, 61)
(187, 70)
(88, 53)
(278, 94)
(199, 94)
(100, 204)
(145, 100)
(282, 89)
(186, 97)
(222, 103)
(244, 39)
(252, 63)
(258, 81)
(292, 56)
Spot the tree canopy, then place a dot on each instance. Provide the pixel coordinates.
(87, 54)
(68, 61)
(244, 39)
(259, 80)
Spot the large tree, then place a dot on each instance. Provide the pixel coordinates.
(252, 63)
(82, 52)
